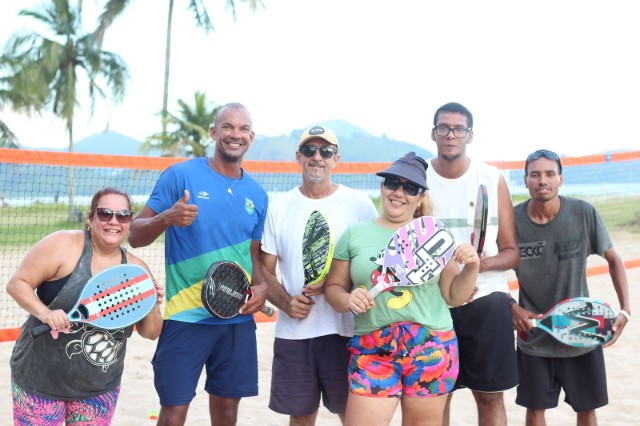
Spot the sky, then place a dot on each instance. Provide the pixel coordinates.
(561, 75)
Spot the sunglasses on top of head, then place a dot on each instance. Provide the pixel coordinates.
(543, 153)
(325, 151)
(409, 188)
(122, 216)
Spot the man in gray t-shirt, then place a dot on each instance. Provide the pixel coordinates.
(556, 235)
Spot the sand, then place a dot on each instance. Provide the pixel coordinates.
(138, 397)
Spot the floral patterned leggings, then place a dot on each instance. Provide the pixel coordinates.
(29, 409)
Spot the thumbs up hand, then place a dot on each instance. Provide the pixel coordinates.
(185, 197)
(182, 213)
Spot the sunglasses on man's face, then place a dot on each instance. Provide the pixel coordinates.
(395, 183)
(122, 216)
(325, 151)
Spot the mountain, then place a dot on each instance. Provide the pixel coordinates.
(356, 145)
(107, 142)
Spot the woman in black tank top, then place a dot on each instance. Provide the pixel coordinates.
(74, 372)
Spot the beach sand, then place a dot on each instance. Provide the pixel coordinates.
(138, 397)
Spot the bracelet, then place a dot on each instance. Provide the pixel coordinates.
(625, 314)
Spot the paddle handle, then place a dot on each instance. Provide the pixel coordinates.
(268, 310)
(39, 330)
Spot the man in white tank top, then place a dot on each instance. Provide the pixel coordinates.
(484, 327)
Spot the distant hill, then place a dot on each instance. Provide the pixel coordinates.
(356, 145)
(107, 142)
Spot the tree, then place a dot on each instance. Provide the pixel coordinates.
(50, 66)
(113, 8)
(188, 133)
(7, 138)
(18, 93)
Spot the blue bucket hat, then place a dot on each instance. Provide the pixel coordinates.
(410, 167)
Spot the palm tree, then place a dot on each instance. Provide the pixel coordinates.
(7, 138)
(113, 8)
(190, 136)
(18, 93)
(52, 64)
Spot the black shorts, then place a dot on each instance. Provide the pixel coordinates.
(486, 343)
(304, 370)
(583, 379)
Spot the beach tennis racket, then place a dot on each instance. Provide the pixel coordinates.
(580, 321)
(480, 219)
(317, 248)
(114, 298)
(225, 289)
(415, 254)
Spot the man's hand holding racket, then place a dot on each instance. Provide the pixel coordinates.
(314, 290)
(522, 318)
(300, 305)
(256, 302)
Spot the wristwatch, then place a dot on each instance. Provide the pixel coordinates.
(512, 301)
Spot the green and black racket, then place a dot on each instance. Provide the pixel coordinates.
(317, 248)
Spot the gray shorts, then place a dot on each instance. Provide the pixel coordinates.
(583, 379)
(305, 370)
(486, 343)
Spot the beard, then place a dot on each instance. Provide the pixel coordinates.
(314, 174)
(452, 157)
(315, 179)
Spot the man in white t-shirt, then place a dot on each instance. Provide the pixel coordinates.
(310, 356)
(483, 326)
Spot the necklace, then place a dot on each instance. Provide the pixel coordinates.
(225, 180)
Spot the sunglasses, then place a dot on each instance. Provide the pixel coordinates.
(105, 215)
(325, 151)
(550, 155)
(542, 153)
(408, 187)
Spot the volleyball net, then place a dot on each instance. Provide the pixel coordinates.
(42, 192)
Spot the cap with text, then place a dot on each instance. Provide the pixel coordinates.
(318, 132)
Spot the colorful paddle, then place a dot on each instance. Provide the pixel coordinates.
(580, 321)
(415, 254)
(114, 298)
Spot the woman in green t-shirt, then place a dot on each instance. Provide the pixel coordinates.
(405, 349)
